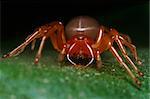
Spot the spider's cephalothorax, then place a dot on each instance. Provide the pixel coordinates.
(82, 41)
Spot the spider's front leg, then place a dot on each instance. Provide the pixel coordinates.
(44, 32)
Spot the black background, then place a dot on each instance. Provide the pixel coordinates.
(20, 18)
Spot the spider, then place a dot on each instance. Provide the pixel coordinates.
(83, 39)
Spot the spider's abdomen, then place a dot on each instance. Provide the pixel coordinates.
(82, 25)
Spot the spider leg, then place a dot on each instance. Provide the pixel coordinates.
(132, 49)
(58, 40)
(123, 50)
(57, 36)
(38, 55)
(98, 60)
(62, 54)
(126, 37)
(99, 38)
(33, 44)
(119, 59)
(100, 45)
(21, 48)
(54, 30)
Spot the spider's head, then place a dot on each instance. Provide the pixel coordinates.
(80, 51)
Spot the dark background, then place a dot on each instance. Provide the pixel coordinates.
(20, 18)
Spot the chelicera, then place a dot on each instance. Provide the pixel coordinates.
(82, 39)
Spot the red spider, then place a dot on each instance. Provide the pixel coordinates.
(83, 39)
